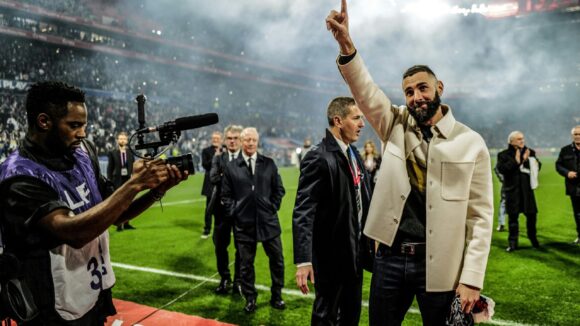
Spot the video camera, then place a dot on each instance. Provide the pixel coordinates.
(169, 132)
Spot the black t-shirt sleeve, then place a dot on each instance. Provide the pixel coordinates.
(25, 200)
(344, 59)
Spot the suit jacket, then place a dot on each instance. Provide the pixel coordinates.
(325, 220)
(519, 196)
(207, 155)
(253, 201)
(114, 167)
(459, 190)
(568, 161)
(218, 165)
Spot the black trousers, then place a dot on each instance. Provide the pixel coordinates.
(337, 302)
(514, 229)
(207, 217)
(273, 249)
(397, 279)
(222, 235)
(576, 210)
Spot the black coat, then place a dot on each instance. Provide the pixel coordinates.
(206, 158)
(516, 184)
(114, 167)
(253, 201)
(567, 162)
(325, 220)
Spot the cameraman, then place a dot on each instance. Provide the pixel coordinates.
(54, 218)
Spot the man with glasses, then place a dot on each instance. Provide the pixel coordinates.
(223, 226)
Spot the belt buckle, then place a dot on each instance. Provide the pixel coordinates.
(408, 248)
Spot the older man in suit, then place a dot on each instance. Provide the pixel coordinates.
(224, 226)
(568, 166)
(432, 206)
(517, 164)
(252, 192)
(331, 205)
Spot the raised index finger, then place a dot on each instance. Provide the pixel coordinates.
(343, 8)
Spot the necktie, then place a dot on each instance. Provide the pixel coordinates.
(356, 177)
(123, 159)
(231, 157)
(250, 166)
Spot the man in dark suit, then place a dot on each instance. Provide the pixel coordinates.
(252, 192)
(568, 165)
(223, 227)
(207, 155)
(519, 166)
(329, 215)
(120, 168)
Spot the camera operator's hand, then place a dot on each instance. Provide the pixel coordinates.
(175, 177)
(148, 174)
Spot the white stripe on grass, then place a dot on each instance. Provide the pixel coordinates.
(181, 202)
(290, 292)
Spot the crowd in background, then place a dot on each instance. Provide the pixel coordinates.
(277, 110)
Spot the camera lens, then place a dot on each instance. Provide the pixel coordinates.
(183, 163)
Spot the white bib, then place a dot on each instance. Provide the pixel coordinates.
(79, 275)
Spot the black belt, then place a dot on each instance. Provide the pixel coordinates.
(407, 248)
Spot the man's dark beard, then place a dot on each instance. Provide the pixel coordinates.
(421, 115)
(55, 144)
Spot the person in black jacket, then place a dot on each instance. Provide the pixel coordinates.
(516, 164)
(568, 165)
(252, 192)
(223, 227)
(120, 168)
(332, 202)
(207, 155)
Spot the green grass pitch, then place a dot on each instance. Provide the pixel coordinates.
(529, 286)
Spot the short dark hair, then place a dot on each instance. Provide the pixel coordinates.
(418, 68)
(339, 106)
(50, 97)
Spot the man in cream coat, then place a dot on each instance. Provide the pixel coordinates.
(432, 208)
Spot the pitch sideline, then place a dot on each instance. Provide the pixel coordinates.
(260, 287)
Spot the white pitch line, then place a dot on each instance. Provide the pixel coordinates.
(290, 292)
(181, 202)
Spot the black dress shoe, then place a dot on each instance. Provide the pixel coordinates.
(535, 244)
(129, 227)
(250, 306)
(224, 286)
(278, 304)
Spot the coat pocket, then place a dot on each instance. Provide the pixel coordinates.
(456, 180)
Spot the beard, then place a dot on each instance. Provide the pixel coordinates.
(56, 145)
(424, 115)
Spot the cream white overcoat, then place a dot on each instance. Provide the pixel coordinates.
(459, 195)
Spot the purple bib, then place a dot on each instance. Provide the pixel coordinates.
(77, 187)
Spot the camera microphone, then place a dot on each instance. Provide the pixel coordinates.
(185, 123)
